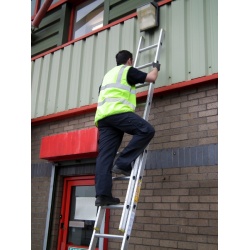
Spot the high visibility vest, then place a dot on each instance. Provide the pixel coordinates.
(116, 94)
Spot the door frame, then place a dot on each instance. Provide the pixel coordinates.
(68, 183)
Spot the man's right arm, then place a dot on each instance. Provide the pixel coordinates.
(152, 75)
(136, 76)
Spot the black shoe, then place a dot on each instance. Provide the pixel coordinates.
(117, 170)
(106, 200)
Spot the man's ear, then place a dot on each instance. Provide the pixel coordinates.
(129, 61)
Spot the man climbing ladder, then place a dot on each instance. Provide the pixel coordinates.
(114, 117)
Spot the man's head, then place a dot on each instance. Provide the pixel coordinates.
(124, 57)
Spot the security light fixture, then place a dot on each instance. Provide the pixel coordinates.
(148, 16)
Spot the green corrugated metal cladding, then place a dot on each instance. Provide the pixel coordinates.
(70, 77)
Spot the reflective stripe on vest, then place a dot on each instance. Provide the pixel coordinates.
(116, 100)
(119, 86)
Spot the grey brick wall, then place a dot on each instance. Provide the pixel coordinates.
(177, 209)
(39, 204)
(40, 188)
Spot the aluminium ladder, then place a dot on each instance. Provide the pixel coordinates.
(135, 179)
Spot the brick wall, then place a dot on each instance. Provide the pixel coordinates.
(69, 124)
(178, 205)
(177, 209)
(39, 207)
(184, 118)
(39, 204)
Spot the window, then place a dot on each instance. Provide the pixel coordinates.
(75, 18)
(88, 17)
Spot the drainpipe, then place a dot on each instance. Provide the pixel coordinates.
(41, 13)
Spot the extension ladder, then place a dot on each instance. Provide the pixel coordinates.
(135, 179)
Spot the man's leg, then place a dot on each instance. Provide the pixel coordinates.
(109, 141)
(142, 133)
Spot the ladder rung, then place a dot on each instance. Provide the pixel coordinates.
(110, 236)
(113, 206)
(149, 47)
(141, 85)
(144, 65)
(121, 178)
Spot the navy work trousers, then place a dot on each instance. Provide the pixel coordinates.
(111, 131)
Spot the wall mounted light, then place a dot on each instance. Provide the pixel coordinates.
(148, 16)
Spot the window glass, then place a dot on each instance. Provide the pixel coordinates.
(88, 17)
(82, 216)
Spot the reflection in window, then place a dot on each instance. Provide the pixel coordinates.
(88, 17)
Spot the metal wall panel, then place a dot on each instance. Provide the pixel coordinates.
(70, 77)
(197, 39)
(54, 83)
(35, 82)
(211, 27)
(177, 44)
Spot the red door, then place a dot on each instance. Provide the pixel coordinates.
(78, 214)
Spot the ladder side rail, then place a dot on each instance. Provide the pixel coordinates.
(149, 101)
(124, 218)
(141, 43)
(151, 86)
(159, 44)
(97, 226)
(129, 194)
(135, 199)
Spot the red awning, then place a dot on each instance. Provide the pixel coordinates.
(72, 145)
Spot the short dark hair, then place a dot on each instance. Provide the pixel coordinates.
(123, 56)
